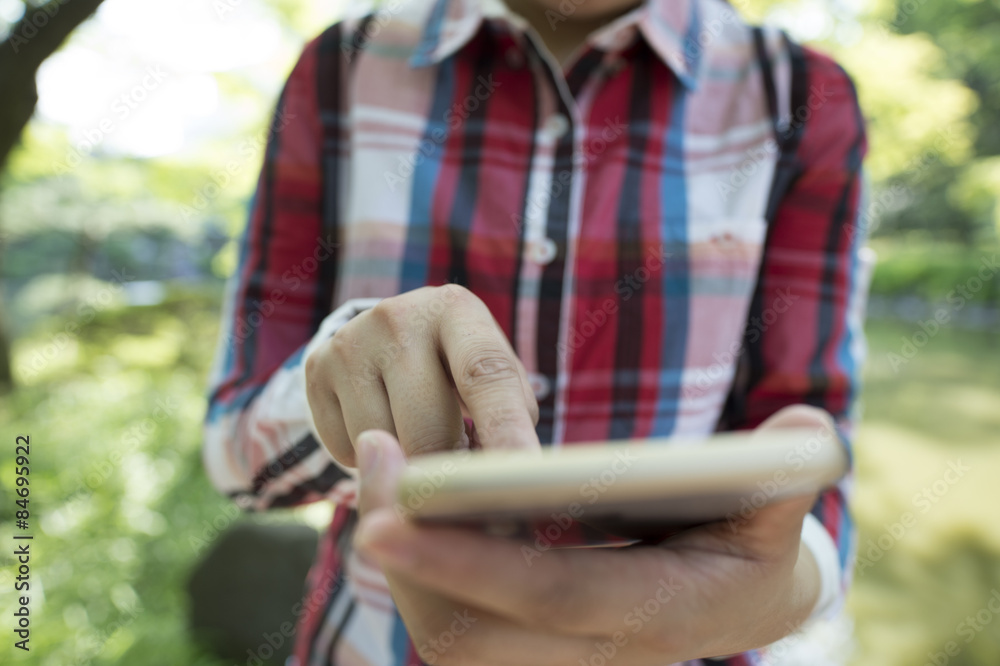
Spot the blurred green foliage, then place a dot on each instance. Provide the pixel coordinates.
(111, 542)
(928, 76)
(940, 407)
(933, 271)
(120, 505)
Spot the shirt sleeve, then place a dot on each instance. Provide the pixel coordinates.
(804, 342)
(260, 445)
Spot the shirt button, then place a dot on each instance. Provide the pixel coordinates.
(557, 125)
(542, 251)
(540, 385)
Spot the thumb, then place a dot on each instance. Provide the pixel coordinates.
(778, 525)
(381, 462)
(798, 416)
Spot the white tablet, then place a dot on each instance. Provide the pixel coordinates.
(630, 488)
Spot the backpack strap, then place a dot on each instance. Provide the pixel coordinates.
(788, 127)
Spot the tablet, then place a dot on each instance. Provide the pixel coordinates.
(630, 488)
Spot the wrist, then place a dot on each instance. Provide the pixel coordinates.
(790, 610)
(795, 592)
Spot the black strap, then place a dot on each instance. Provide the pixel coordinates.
(359, 39)
(787, 135)
(767, 73)
(787, 171)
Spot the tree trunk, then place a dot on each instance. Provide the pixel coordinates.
(34, 38)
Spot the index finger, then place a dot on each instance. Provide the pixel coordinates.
(491, 382)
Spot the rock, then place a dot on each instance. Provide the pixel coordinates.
(245, 592)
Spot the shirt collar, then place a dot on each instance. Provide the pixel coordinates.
(671, 28)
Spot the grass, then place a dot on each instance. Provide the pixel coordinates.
(941, 407)
(113, 536)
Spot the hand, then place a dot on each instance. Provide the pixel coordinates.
(471, 599)
(409, 366)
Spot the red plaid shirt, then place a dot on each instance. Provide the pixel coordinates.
(664, 230)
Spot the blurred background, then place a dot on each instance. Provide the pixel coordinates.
(118, 213)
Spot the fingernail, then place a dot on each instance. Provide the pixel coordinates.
(463, 442)
(370, 452)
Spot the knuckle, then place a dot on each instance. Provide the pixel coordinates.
(348, 363)
(362, 352)
(394, 315)
(455, 298)
(342, 343)
(484, 369)
(455, 293)
(451, 299)
(319, 372)
(313, 367)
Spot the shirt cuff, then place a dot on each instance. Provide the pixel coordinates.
(330, 325)
(824, 551)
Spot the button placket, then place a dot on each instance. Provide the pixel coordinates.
(540, 385)
(542, 251)
(556, 126)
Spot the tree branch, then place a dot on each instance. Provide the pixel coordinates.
(43, 29)
(34, 38)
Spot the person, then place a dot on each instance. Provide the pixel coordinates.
(487, 225)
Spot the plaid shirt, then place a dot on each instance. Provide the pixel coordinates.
(664, 231)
